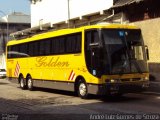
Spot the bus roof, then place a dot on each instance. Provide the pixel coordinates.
(55, 33)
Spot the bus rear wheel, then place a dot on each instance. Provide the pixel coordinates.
(22, 83)
(29, 83)
(82, 89)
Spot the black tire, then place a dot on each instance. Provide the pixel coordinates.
(29, 83)
(82, 89)
(22, 83)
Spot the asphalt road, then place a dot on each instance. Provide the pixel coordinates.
(48, 104)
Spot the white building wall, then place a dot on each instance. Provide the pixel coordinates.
(54, 11)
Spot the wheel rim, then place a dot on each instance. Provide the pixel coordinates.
(22, 83)
(82, 89)
(29, 83)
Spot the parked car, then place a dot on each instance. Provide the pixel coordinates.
(2, 73)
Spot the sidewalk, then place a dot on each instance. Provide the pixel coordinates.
(154, 78)
(154, 88)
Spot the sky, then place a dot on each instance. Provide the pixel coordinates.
(9, 6)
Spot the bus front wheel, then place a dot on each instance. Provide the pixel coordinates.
(82, 89)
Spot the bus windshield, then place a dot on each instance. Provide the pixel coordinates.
(124, 51)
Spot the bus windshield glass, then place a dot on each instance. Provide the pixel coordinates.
(124, 51)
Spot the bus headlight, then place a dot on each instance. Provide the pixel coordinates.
(146, 78)
(112, 81)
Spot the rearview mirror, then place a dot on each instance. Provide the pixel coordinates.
(147, 52)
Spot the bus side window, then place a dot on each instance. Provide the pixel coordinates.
(30, 49)
(14, 50)
(61, 45)
(36, 48)
(73, 43)
(47, 50)
(23, 50)
(41, 47)
(69, 44)
(78, 43)
(54, 46)
(33, 49)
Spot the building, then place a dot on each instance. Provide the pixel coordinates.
(13, 22)
(45, 11)
(138, 10)
(146, 15)
(65, 14)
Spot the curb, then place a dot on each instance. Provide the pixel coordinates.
(151, 93)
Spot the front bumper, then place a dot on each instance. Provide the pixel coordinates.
(132, 87)
(125, 87)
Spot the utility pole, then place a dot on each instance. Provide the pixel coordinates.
(68, 13)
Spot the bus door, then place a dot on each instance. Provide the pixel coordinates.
(93, 52)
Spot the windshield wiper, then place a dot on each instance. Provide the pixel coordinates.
(124, 66)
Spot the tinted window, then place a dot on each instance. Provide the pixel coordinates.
(58, 45)
(23, 52)
(61, 46)
(54, 46)
(14, 51)
(33, 48)
(73, 43)
(42, 47)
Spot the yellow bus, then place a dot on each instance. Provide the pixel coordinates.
(94, 59)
